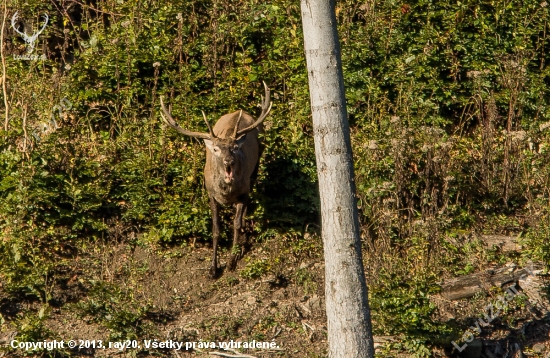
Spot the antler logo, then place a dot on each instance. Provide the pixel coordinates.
(30, 40)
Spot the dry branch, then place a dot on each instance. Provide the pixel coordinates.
(380, 341)
(231, 355)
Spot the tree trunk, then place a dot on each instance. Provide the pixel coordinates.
(348, 314)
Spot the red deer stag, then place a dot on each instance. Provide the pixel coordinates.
(232, 155)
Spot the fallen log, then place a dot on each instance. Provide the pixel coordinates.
(503, 242)
(468, 286)
(381, 341)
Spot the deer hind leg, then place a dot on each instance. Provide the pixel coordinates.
(215, 207)
(238, 223)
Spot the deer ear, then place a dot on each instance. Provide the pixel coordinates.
(209, 145)
(240, 140)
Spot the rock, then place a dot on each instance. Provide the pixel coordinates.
(302, 311)
(279, 295)
(472, 350)
(251, 300)
(532, 286)
(6, 337)
(539, 348)
(314, 303)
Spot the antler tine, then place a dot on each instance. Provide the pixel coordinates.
(266, 108)
(208, 125)
(237, 125)
(172, 123)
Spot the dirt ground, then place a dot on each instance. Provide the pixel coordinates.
(165, 294)
(126, 293)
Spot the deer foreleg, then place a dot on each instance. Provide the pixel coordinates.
(238, 223)
(215, 208)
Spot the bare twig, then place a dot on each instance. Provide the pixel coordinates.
(258, 349)
(279, 330)
(70, 20)
(308, 326)
(231, 355)
(4, 75)
(25, 129)
(305, 326)
(232, 351)
(271, 349)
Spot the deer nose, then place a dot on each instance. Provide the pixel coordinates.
(228, 161)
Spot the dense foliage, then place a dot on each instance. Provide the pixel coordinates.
(448, 102)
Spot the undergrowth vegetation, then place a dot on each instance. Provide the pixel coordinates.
(449, 109)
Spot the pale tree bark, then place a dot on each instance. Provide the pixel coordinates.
(4, 74)
(348, 314)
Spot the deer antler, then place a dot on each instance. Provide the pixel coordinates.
(208, 125)
(266, 107)
(172, 123)
(237, 125)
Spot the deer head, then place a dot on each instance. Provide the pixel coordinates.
(225, 151)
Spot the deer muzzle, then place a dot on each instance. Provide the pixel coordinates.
(228, 174)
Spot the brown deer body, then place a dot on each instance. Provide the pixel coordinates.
(233, 149)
